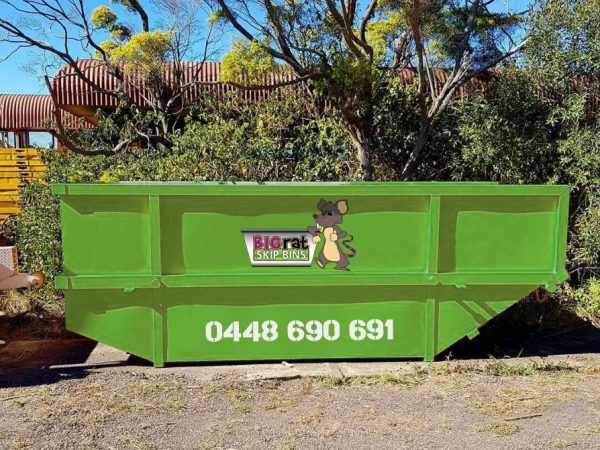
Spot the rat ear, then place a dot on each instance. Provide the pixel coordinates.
(321, 204)
(342, 206)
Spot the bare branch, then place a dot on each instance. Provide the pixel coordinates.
(137, 7)
(368, 16)
(345, 26)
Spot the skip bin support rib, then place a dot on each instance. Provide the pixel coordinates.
(431, 323)
(158, 322)
(431, 310)
(560, 247)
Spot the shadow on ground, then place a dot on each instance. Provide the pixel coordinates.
(529, 328)
(42, 362)
(28, 363)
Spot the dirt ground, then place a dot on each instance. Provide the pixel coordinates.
(525, 404)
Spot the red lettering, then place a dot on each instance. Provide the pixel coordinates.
(257, 242)
(276, 242)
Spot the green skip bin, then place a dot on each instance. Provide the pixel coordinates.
(183, 272)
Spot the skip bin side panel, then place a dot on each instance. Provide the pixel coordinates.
(202, 234)
(488, 243)
(498, 233)
(461, 312)
(116, 318)
(105, 235)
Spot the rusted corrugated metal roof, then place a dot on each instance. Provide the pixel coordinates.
(24, 112)
(71, 91)
(83, 100)
(197, 78)
(441, 76)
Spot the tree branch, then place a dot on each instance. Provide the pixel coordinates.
(368, 16)
(288, 58)
(137, 7)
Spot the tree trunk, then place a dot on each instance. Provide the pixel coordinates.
(415, 155)
(361, 141)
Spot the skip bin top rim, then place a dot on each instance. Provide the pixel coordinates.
(308, 189)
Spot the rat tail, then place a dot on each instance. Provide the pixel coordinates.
(352, 250)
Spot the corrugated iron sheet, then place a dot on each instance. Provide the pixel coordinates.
(196, 77)
(74, 95)
(23, 112)
(192, 78)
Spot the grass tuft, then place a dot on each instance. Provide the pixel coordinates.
(500, 367)
(500, 429)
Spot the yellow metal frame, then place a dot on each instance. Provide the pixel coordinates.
(16, 166)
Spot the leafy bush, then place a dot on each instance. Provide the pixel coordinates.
(584, 300)
(36, 232)
(396, 124)
(269, 140)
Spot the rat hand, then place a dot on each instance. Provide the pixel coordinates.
(316, 239)
(333, 236)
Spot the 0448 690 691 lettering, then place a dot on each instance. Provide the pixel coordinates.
(296, 330)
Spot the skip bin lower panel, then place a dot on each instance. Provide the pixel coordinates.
(120, 319)
(226, 324)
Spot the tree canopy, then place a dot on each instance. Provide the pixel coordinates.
(135, 54)
(346, 51)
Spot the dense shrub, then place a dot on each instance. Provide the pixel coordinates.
(36, 231)
(396, 124)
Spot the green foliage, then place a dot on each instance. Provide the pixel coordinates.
(395, 128)
(584, 300)
(215, 17)
(565, 40)
(381, 33)
(349, 79)
(247, 61)
(585, 239)
(103, 17)
(268, 140)
(445, 28)
(36, 232)
(144, 52)
(505, 136)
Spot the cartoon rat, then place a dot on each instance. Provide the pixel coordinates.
(331, 215)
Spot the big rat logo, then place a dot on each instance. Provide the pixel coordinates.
(279, 247)
(298, 247)
(332, 214)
